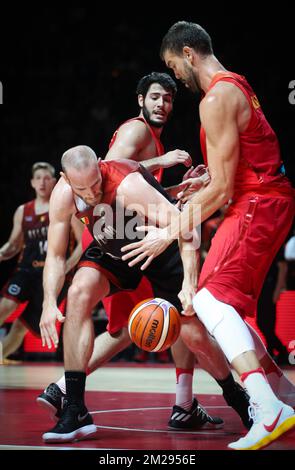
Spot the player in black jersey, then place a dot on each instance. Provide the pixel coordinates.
(103, 195)
(28, 238)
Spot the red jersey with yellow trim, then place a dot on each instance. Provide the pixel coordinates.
(260, 166)
(158, 174)
(35, 229)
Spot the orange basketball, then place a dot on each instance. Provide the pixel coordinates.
(154, 325)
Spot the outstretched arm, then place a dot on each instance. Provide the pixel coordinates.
(132, 140)
(219, 118)
(61, 209)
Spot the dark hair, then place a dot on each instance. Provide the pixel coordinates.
(156, 77)
(188, 34)
(43, 166)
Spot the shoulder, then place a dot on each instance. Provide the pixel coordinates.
(221, 102)
(223, 96)
(62, 198)
(19, 212)
(134, 128)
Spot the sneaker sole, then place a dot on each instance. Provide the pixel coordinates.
(42, 403)
(197, 428)
(86, 432)
(284, 427)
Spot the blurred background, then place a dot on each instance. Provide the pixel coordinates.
(69, 76)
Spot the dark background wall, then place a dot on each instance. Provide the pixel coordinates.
(69, 77)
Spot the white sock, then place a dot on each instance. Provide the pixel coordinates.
(61, 383)
(184, 388)
(258, 387)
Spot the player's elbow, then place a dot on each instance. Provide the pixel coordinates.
(222, 192)
(225, 194)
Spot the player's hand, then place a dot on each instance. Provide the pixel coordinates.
(189, 186)
(186, 296)
(47, 325)
(174, 157)
(194, 172)
(153, 244)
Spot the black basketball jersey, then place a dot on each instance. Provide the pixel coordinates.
(35, 229)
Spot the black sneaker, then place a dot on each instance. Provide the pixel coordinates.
(238, 399)
(196, 418)
(52, 400)
(75, 424)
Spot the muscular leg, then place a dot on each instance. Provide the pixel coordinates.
(204, 347)
(7, 306)
(107, 346)
(234, 337)
(12, 341)
(88, 288)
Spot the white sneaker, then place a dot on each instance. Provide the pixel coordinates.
(270, 422)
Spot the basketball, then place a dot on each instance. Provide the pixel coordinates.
(154, 325)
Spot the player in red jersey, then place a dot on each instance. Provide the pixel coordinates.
(112, 198)
(29, 239)
(138, 139)
(242, 153)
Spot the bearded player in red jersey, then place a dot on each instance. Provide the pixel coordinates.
(243, 157)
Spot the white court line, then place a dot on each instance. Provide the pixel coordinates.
(169, 431)
(50, 447)
(147, 409)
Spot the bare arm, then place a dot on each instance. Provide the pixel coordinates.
(61, 208)
(77, 228)
(132, 140)
(191, 264)
(147, 201)
(140, 196)
(219, 118)
(15, 242)
(159, 211)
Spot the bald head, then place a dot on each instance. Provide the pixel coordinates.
(78, 158)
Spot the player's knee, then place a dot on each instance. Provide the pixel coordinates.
(78, 295)
(18, 329)
(208, 309)
(6, 308)
(194, 334)
(122, 334)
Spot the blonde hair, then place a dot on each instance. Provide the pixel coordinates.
(43, 166)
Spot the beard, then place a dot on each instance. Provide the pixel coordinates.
(150, 121)
(192, 81)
